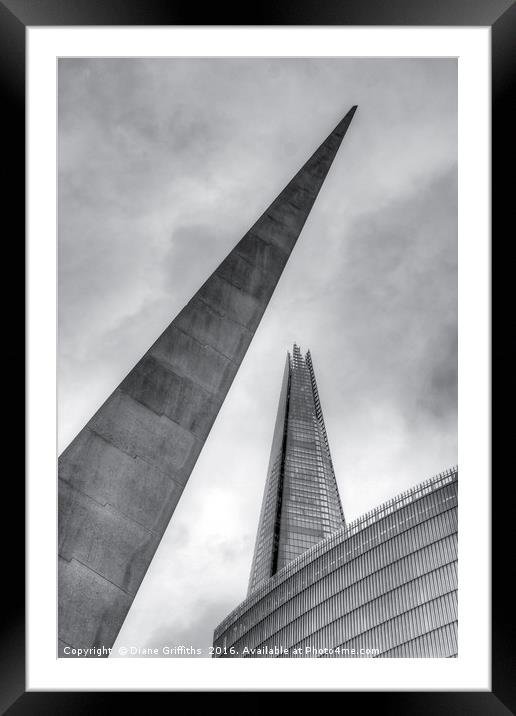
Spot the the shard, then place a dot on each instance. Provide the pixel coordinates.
(121, 478)
(301, 504)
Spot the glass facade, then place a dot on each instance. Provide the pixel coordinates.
(383, 586)
(301, 504)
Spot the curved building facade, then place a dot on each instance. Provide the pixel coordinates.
(383, 586)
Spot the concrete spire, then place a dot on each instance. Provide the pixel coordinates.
(122, 476)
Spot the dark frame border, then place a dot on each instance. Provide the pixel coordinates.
(500, 15)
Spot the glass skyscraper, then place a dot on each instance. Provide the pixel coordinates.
(384, 585)
(301, 504)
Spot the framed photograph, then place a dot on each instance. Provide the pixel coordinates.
(258, 269)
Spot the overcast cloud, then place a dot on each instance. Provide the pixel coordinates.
(163, 166)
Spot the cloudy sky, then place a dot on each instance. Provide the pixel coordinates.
(163, 166)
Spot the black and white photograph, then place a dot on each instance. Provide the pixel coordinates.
(257, 357)
(265, 285)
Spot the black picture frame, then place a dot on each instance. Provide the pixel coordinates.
(500, 15)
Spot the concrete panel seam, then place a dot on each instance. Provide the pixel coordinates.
(239, 288)
(275, 220)
(175, 371)
(222, 314)
(140, 457)
(289, 202)
(251, 263)
(114, 509)
(256, 236)
(86, 566)
(206, 345)
(161, 416)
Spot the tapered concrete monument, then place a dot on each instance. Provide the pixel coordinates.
(122, 476)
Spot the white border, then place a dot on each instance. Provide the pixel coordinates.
(471, 671)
